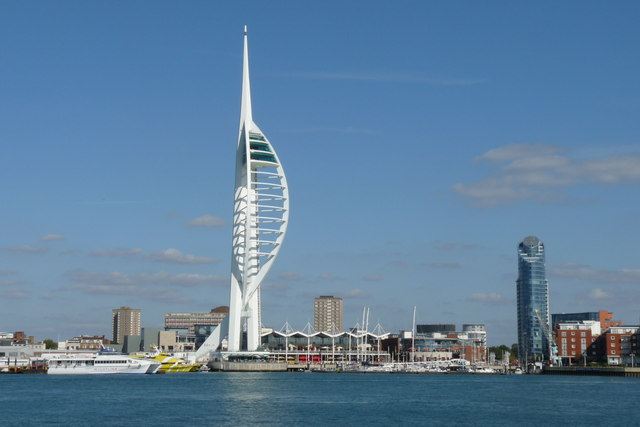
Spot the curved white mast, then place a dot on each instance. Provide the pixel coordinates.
(260, 218)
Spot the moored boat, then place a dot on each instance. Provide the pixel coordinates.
(100, 363)
(169, 363)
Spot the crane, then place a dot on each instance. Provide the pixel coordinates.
(553, 347)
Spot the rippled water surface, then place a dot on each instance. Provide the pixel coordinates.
(317, 399)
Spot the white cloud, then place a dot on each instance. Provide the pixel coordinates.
(372, 278)
(11, 282)
(290, 276)
(491, 299)
(158, 278)
(347, 130)
(539, 172)
(11, 294)
(172, 255)
(159, 286)
(118, 252)
(206, 220)
(584, 272)
(389, 77)
(354, 294)
(445, 246)
(52, 237)
(517, 151)
(27, 249)
(449, 265)
(274, 287)
(598, 294)
(329, 276)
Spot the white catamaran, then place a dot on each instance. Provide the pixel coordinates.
(100, 363)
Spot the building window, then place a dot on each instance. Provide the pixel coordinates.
(613, 337)
(573, 333)
(584, 334)
(613, 352)
(564, 334)
(613, 344)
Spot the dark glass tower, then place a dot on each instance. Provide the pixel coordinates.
(533, 301)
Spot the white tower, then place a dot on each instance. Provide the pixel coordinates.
(260, 217)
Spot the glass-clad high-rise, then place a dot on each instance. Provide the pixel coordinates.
(533, 301)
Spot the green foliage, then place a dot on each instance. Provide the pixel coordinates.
(50, 344)
(500, 350)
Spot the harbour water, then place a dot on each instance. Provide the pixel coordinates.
(318, 399)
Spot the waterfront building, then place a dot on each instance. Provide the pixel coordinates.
(131, 343)
(125, 321)
(260, 218)
(532, 301)
(443, 328)
(17, 338)
(577, 340)
(443, 342)
(317, 347)
(604, 317)
(476, 332)
(149, 339)
(620, 345)
(327, 314)
(84, 342)
(187, 322)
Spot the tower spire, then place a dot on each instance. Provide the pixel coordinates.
(245, 109)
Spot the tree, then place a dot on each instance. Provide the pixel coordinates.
(499, 351)
(514, 350)
(50, 344)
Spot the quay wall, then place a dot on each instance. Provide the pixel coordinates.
(269, 366)
(247, 367)
(593, 371)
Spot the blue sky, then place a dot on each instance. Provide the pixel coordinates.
(421, 140)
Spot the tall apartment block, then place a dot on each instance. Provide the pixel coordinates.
(125, 321)
(533, 301)
(327, 314)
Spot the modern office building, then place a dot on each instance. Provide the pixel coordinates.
(125, 321)
(443, 328)
(476, 332)
(260, 218)
(603, 316)
(186, 323)
(442, 341)
(327, 314)
(532, 301)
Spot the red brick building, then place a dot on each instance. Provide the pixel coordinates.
(620, 345)
(578, 340)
